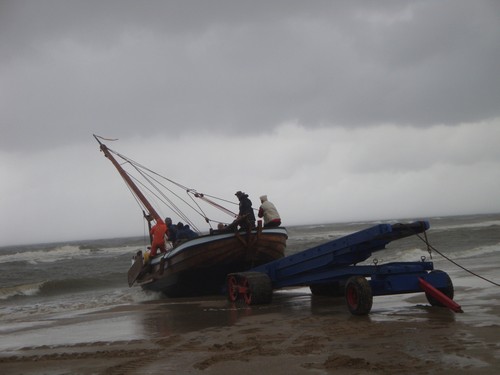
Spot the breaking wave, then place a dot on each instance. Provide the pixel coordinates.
(63, 252)
(20, 290)
(56, 287)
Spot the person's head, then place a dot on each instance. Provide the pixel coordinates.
(220, 226)
(180, 225)
(263, 198)
(240, 195)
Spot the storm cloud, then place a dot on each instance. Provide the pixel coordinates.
(360, 100)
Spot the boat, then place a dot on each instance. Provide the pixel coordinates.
(197, 266)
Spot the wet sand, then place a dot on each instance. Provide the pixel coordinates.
(296, 334)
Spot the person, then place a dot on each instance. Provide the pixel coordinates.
(184, 232)
(268, 211)
(172, 230)
(221, 228)
(246, 217)
(158, 232)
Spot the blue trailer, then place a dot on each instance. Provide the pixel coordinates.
(331, 269)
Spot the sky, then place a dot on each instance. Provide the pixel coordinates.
(337, 110)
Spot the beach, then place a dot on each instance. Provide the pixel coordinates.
(296, 334)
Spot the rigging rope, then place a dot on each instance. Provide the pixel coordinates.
(167, 201)
(202, 197)
(149, 176)
(430, 247)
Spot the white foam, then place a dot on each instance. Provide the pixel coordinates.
(63, 252)
(20, 290)
(481, 224)
(479, 251)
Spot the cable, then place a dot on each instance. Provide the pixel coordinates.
(429, 246)
(154, 184)
(148, 175)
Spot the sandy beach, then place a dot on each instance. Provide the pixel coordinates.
(296, 334)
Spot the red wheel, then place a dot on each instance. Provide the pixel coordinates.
(358, 295)
(254, 287)
(246, 291)
(232, 288)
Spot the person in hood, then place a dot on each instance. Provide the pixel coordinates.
(246, 216)
(268, 211)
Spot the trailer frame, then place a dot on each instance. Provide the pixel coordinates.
(332, 269)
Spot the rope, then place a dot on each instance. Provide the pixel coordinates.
(137, 166)
(430, 247)
(218, 206)
(149, 176)
(164, 198)
(147, 189)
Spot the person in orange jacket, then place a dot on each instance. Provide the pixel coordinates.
(158, 232)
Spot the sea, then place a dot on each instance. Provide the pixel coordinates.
(40, 283)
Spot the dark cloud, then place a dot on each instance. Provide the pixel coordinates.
(122, 68)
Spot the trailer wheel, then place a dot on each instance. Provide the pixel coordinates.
(358, 294)
(232, 288)
(448, 290)
(259, 288)
(254, 287)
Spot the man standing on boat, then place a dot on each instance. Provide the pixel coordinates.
(269, 212)
(158, 232)
(246, 217)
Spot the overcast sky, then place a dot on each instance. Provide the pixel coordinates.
(337, 110)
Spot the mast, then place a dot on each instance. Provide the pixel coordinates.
(129, 181)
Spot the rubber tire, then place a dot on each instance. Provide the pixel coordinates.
(448, 291)
(259, 286)
(358, 295)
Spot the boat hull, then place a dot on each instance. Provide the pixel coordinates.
(200, 266)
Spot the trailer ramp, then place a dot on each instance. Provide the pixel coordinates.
(331, 269)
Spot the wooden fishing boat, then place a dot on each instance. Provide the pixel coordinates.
(196, 266)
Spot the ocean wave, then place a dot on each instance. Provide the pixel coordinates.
(46, 256)
(478, 251)
(18, 306)
(416, 254)
(63, 252)
(480, 224)
(58, 287)
(20, 290)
